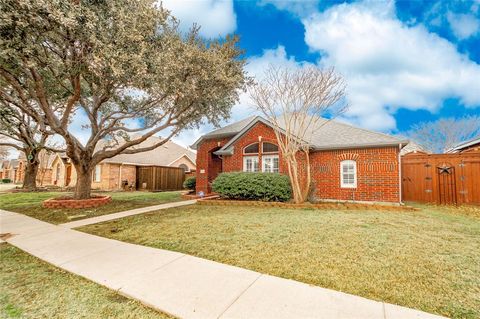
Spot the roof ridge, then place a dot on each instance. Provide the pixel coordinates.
(363, 129)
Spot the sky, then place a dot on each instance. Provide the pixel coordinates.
(404, 62)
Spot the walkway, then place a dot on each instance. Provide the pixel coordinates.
(183, 285)
(136, 211)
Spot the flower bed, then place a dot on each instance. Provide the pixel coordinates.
(340, 205)
(68, 202)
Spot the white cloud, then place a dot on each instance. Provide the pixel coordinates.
(463, 26)
(389, 65)
(215, 17)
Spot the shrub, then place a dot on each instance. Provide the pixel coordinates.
(254, 186)
(190, 183)
(6, 180)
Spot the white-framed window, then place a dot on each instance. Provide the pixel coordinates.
(250, 163)
(251, 149)
(97, 173)
(348, 174)
(269, 147)
(270, 164)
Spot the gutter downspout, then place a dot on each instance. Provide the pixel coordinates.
(399, 174)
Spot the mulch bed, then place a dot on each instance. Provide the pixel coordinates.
(342, 205)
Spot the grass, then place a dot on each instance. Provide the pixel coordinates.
(31, 288)
(427, 259)
(31, 204)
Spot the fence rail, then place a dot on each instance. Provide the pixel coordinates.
(441, 178)
(160, 178)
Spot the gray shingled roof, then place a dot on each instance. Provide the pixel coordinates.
(464, 145)
(333, 134)
(329, 134)
(162, 156)
(231, 129)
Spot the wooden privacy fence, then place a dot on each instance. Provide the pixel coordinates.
(441, 178)
(160, 178)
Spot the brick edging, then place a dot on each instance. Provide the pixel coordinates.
(77, 203)
(345, 206)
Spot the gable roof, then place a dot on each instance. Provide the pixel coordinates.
(464, 145)
(161, 156)
(413, 147)
(329, 134)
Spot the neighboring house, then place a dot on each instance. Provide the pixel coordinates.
(347, 163)
(472, 145)
(12, 170)
(111, 173)
(5, 169)
(413, 148)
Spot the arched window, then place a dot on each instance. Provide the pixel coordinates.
(348, 174)
(250, 160)
(269, 148)
(185, 167)
(251, 149)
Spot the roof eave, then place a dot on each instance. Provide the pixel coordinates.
(365, 145)
(228, 151)
(464, 145)
(209, 137)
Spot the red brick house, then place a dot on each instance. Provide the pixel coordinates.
(347, 163)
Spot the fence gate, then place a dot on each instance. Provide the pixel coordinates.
(441, 178)
(447, 194)
(160, 178)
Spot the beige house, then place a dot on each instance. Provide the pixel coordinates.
(113, 173)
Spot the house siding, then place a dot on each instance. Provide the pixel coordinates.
(377, 174)
(183, 160)
(204, 163)
(377, 168)
(112, 175)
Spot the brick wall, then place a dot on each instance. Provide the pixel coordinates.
(112, 175)
(205, 163)
(377, 168)
(377, 174)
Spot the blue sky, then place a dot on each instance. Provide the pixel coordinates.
(404, 61)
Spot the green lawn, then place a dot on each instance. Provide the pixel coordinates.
(31, 204)
(427, 259)
(30, 288)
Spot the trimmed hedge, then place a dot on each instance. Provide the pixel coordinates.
(268, 187)
(6, 180)
(190, 183)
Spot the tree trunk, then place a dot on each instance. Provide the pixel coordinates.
(308, 181)
(31, 169)
(83, 187)
(30, 178)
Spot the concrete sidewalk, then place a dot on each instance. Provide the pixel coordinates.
(183, 285)
(136, 211)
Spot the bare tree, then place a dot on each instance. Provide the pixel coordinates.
(123, 65)
(294, 100)
(441, 135)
